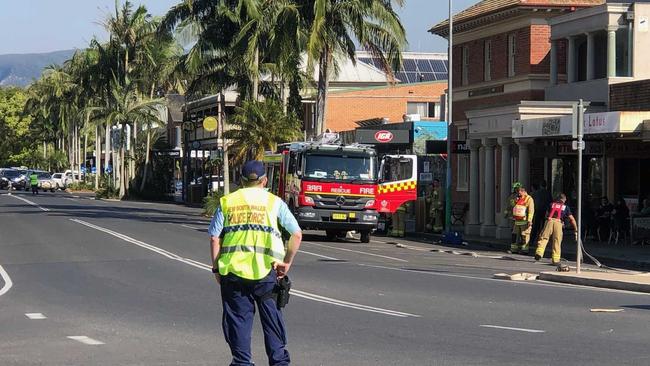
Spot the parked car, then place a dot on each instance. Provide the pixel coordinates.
(16, 177)
(45, 181)
(61, 180)
(5, 182)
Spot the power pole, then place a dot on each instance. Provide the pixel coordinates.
(450, 55)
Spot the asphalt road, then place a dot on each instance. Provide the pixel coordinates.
(87, 282)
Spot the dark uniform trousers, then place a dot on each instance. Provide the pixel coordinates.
(239, 297)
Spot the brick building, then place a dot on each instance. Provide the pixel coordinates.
(502, 53)
(347, 107)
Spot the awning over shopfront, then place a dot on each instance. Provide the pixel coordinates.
(594, 124)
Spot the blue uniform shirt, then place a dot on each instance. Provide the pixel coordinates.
(285, 218)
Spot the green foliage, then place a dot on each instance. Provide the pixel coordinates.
(57, 161)
(15, 144)
(211, 203)
(159, 184)
(107, 189)
(81, 186)
(260, 127)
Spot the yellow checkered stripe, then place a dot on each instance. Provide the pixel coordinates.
(397, 187)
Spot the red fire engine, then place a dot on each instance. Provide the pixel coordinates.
(340, 188)
(329, 186)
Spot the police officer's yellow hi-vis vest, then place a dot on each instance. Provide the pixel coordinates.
(251, 238)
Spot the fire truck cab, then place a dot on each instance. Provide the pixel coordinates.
(328, 186)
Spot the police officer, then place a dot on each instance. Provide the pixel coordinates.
(522, 214)
(33, 181)
(556, 215)
(249, 256)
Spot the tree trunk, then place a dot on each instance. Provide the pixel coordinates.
(107, 147)
(146, 161)
(221, 108)
(323, 86)
(98, 158)
(256, 75)
(123, 175)
(85, 155)
(132, 161)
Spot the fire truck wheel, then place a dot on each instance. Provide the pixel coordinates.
(331, 235)
(365, 236)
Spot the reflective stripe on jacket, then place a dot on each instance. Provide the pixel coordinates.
(251, 238)
(33, 179)
(523, 210)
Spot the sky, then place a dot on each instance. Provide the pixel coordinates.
(34, 26)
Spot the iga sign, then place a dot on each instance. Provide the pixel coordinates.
(384, 136)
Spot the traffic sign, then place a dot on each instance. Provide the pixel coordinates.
(210, 124)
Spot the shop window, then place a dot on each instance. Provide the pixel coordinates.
(426, 110)
(462, 179)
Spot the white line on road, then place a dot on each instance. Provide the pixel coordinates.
(357, 251)
(31, 203)
(319, 255)
(7, 280)
(35, 316)
(206, 267)
(329, 300)
(191, 227)
(86, 340)
(515, 329)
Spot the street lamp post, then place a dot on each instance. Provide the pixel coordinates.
(450, 68)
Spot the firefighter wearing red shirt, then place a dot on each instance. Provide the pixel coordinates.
(522, 214)
(558, 212)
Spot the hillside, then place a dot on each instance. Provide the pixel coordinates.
(21, 69)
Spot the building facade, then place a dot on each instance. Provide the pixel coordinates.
(501, 68)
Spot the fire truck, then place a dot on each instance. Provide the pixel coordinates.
(339, 188)
(328, 186)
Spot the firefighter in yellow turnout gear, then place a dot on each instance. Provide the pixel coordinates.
(552, 231)
(397, 219)
(523, 210)
(436, 208)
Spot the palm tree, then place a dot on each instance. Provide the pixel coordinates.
(259, 127)
(334, 27)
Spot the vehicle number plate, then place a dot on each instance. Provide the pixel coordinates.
(339, 216)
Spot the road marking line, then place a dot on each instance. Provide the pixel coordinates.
(8, 284)
(206, 267)
(86, 340)
(357, 251)
(31, 203)
(191, 227)
(515, 329)
(328, 300)
(35, 316)
(319, 255)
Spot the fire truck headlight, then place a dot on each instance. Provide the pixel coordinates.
(307, 201)
(370, 203)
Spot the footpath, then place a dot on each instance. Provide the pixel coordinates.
(624, 266)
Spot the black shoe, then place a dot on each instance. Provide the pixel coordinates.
(524, 252)
(537, 257)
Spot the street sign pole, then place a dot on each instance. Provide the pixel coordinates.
(579, 132)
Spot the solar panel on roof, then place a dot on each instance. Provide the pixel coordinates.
(402, 77)
(413, 77)
(441, 75)
(439, 66)
(424, 66)
(410, 66)
(428, 76)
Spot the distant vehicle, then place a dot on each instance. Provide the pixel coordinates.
(5, 183)
(15, 177)
(61, 181)
(45, 181)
